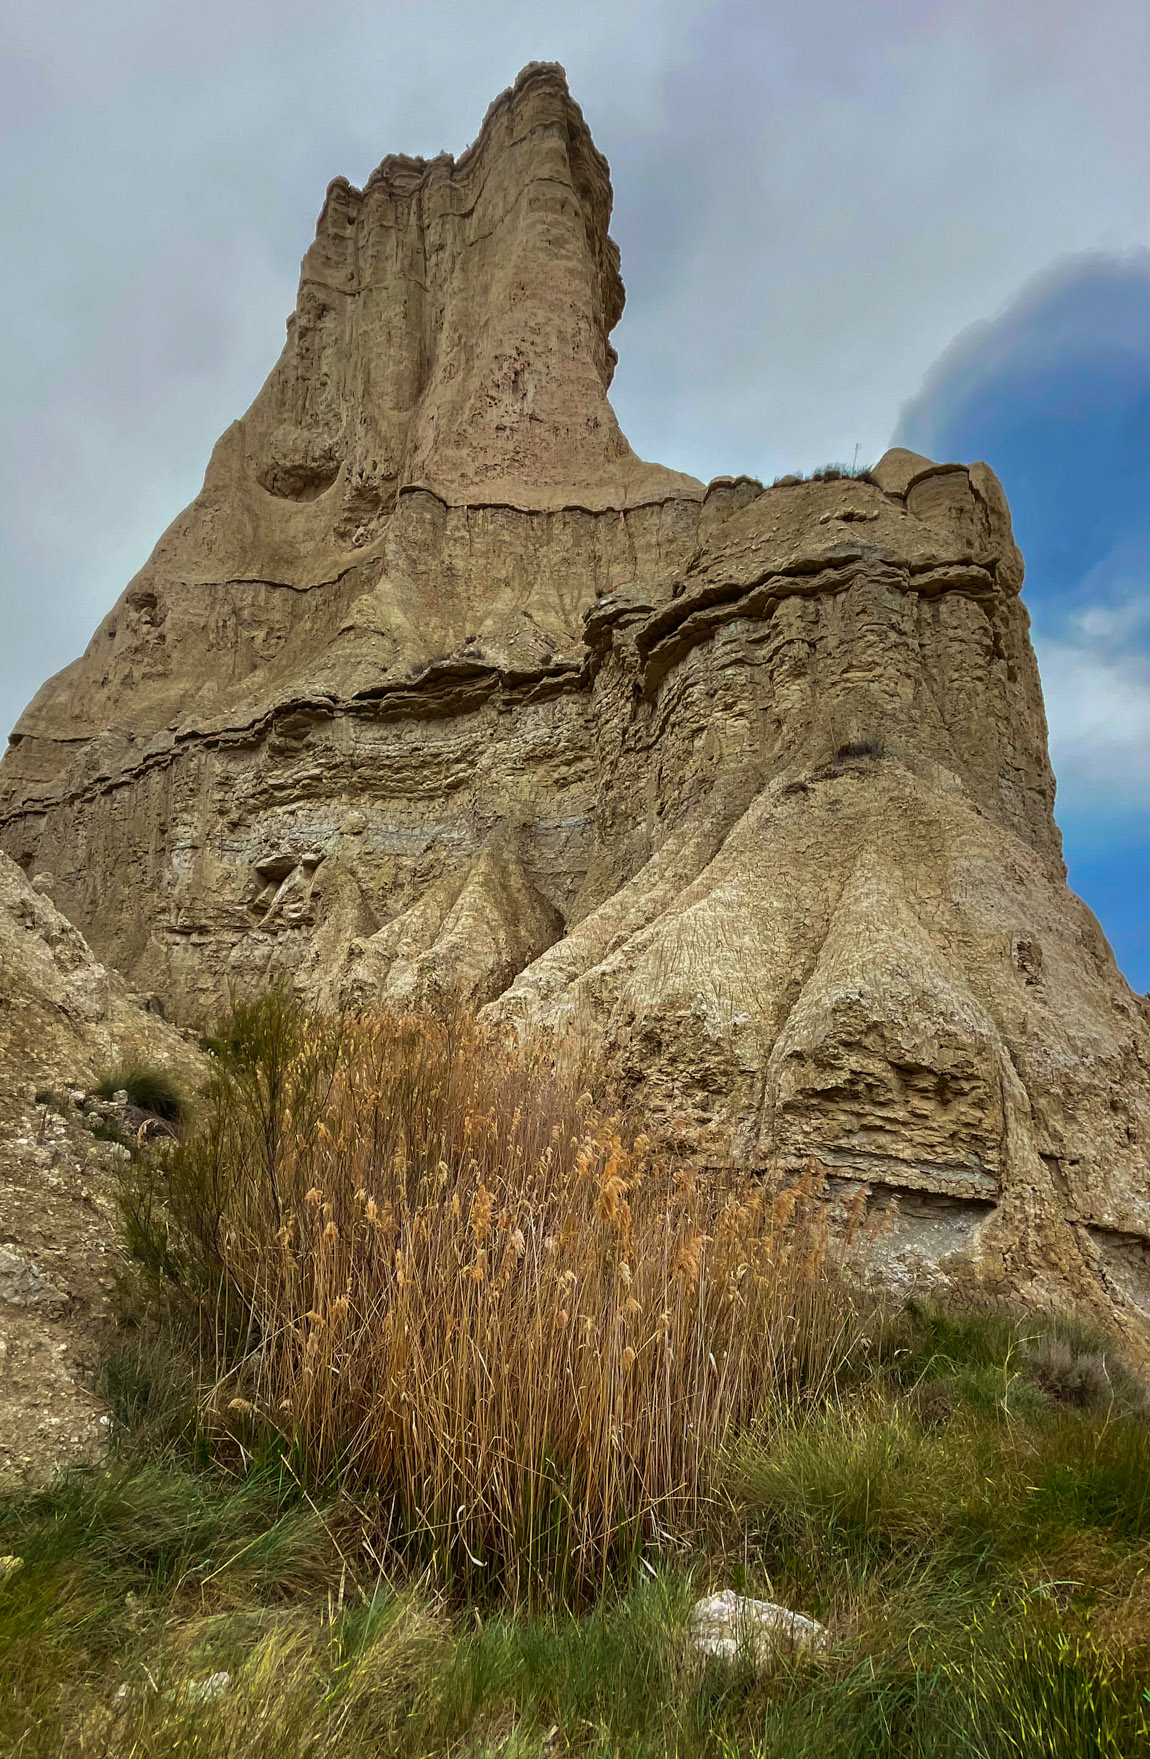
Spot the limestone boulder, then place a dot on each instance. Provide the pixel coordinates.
(730, 1625)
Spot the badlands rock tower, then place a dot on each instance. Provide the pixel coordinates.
(437, 686)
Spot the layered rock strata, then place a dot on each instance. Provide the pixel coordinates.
(436, 687)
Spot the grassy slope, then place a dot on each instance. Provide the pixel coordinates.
(971, 1519)
(396, 1264)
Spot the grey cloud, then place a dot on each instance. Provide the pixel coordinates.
(1055, 392)
(1089, 313)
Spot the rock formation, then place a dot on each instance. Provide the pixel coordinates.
(436, 686)
(63, 1020)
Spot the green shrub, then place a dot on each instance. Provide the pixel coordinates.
(150, 1087)
(1090, 1476)
(925, 1340)
(1020, 1363)
(150, 1387)
(104, 1130)
(258, 1037)
(866, 1488)
(826, 473)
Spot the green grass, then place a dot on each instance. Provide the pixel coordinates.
(99, 1651)
(827, 473)
(980, 1559)
(149, 1086)
(963, 1499)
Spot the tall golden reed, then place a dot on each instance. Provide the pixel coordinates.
(443, 1274)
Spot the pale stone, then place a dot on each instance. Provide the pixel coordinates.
(209, 1690)
(729, 1625)
(898, 468)
(23, 1283)
(57, 1200)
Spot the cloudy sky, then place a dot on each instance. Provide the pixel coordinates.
(842, 225)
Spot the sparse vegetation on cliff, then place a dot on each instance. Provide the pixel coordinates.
(407, 1462)
(150, 1087)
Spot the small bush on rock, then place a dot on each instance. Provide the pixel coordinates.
(150, 1087)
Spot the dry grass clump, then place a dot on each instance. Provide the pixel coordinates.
(431, 1265)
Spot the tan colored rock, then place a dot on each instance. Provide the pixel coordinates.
(63, 1020)
(437, 687)
(898, 468)
(447, 364)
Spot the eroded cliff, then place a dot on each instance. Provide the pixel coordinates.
(436, 687)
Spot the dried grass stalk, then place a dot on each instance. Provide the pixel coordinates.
(441, 1272)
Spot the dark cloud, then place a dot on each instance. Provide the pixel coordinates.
(1055, 394)
(1056, 391)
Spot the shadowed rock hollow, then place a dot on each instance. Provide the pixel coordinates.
(437, 687)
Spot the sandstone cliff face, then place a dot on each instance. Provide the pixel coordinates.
(447, 365)
(437, 687)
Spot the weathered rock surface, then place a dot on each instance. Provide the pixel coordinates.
(63, 1020)
(437, 687)
(729, 1625)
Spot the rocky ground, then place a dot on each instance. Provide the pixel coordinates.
(64, 1021)
(58, 1266)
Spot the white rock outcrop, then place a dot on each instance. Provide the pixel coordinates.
(729, 1625)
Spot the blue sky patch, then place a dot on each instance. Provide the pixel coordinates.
(1055, 394)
